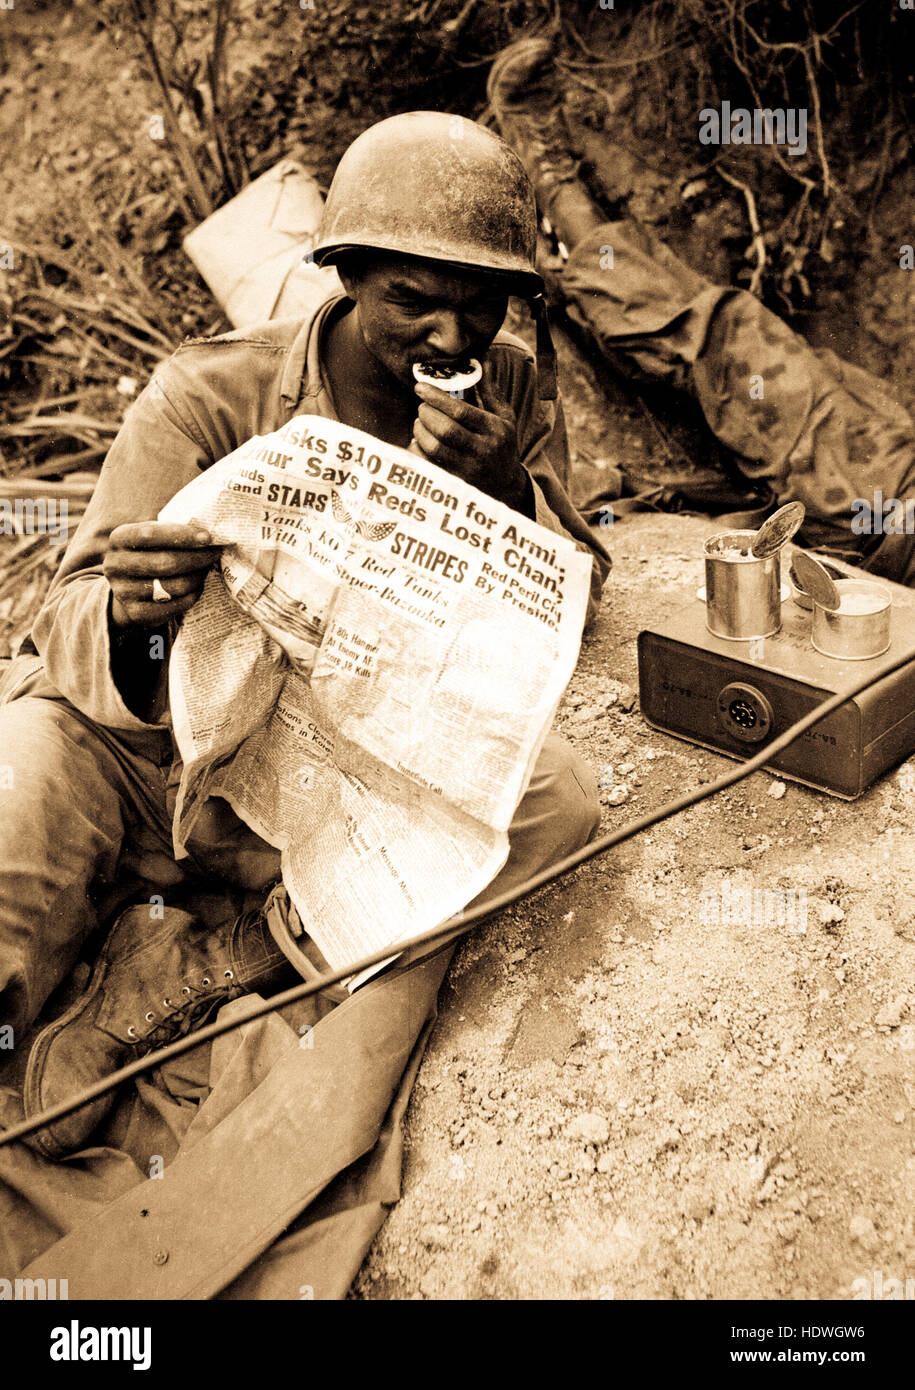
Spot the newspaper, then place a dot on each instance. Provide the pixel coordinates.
(369, 674)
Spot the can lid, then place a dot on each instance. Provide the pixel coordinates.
(777, 529)
(809, 575)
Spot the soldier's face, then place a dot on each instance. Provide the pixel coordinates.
(411, 310)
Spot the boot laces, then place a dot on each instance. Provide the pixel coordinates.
(187, 1009)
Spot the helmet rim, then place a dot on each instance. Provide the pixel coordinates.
(520, 282)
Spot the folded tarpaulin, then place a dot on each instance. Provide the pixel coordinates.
(259, 1166)
(813, 427)
(252, 252)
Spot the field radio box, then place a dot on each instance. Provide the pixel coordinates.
(734, 697)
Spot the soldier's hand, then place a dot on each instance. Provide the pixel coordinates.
(142, 552)
(476, 443)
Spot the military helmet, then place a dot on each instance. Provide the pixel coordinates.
(437, 186)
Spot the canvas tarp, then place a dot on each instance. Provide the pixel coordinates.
(259, 1166)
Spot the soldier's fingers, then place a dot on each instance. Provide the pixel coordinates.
(158, 563)
(140, 590)
(159, 535)
(157, 614)
(458, 462)
(454, 406)
(446, 429)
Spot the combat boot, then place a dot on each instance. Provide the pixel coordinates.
(526, 97)
(154, 981)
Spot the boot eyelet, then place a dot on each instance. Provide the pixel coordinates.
(229, 975)
(131, 1031)
(185, 989)
(166, 1003)
(150, 1016)
(207, 980)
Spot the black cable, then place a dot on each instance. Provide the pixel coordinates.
(456, 926)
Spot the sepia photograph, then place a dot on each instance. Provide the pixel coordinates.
(457, 669)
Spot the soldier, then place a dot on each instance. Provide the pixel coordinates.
(431, 223)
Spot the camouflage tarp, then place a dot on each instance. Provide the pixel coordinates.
(813, 427)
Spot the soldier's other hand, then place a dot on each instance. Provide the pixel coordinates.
(478, 443)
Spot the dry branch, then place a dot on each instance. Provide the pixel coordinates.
(759, 241)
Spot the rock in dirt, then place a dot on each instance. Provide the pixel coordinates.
(777, 790)
(435, 1235)
(891, 1015)
(827, 913)
(861, 1227)
(586, 714)
(592, 1128)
